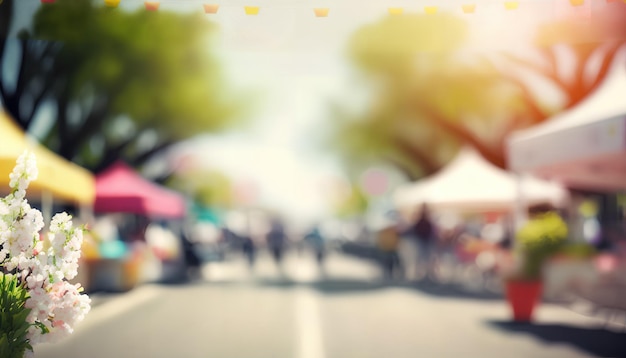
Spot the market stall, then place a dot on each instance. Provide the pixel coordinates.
(585, 148)
(471, 184)
(138, 247)
(121, 189)
(59, 178)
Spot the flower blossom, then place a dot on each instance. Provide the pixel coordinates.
(42, 264)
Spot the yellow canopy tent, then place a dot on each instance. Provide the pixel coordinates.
(58, 177)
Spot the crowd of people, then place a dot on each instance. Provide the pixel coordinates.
(422, 249)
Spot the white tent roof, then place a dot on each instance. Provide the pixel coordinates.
(585, 146)
(470, 183)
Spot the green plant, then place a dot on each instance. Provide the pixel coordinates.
(13, 314)
(540, 238)
(13, 317)
(577, 250)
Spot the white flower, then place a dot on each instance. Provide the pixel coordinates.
(42, 269)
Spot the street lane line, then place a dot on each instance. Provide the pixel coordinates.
(308, 325)
(117, 306)
(103, 312)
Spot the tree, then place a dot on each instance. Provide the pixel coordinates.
(117, 84)
(429, 98)
(431, 95)
(590, 44)
(209, 188)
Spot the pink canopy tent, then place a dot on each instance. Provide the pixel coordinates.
(120, 189)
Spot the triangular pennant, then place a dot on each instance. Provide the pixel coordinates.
(577, 2)
(152, 5)
(430, 10)
(111, 3)
(395, 10)
(511, 5)
(211, 8)
(468, 8)
(321, 12)
(251, 10)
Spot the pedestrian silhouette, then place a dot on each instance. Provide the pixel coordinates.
(423, 232)
(388, 240)
(315, 239)
(277, 240)
(249, 250)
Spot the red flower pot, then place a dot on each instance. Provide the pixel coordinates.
(523, 297)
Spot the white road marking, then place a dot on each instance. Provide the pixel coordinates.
(117, 306)
(106, 311)
(308, 325)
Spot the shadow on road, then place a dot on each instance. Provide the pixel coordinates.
(596, 341)
(332, 286)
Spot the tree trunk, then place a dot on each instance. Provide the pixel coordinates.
(494, 155)
(425, 162)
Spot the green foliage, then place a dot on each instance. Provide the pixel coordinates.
(538, 240)
(13, 314)
(209, 188)
(429, 96)
(125, 83)
(391, 45)
(577, 250)
(356, 203)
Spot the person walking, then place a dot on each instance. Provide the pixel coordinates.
(277, 240)
(249, 250)
(423, 232)
(316, 240)
(388, 240)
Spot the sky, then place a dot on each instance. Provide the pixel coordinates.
(297, 63)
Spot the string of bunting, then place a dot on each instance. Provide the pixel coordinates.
(213, 8)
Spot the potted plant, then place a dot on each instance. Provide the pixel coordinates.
(538, 240)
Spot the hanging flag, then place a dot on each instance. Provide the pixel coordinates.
(211, 8)
(511, 5)
(395, 10)
(430, 10)
(251, 10)
(48, 1)
(111, 3)
(577, 2)
(469, 8)
(321, 12)
(152, 5)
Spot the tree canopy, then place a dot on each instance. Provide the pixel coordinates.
(431, 94)
(115, 84)
(209, 188)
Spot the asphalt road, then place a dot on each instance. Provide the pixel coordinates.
(298, 312)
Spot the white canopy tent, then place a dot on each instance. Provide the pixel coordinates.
(582, 148)
(471, 184)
